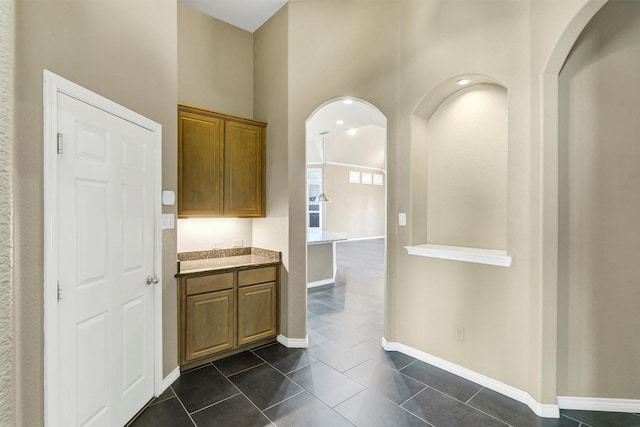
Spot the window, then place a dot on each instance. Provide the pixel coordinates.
(314, 187)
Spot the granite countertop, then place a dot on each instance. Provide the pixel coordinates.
(221, 259)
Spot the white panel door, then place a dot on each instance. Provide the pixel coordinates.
(105, 254)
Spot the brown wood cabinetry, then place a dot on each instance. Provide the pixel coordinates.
(221, 164)
(209, 324)
(222, 313)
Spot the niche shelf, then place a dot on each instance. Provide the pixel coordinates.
(460, 253)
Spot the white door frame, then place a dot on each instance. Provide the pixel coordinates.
(54, 84)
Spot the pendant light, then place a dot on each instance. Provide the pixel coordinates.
(323, 197)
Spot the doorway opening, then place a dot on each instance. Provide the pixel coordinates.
(346, 144)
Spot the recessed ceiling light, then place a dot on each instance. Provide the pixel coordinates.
(348, 101)
(352, 131)
(463, 82)
(340, 122)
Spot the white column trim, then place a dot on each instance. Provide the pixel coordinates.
(294, 342)
(599, 404)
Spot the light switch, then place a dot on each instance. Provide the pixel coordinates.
(168, 221)
(402, 219)
(168, 198)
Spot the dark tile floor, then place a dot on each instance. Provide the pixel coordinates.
(344, 378)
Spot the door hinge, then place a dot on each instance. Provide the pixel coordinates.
(59, 143)
(59, 291)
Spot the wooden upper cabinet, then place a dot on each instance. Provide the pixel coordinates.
(200, 165)
(221, 164)
(244, 170)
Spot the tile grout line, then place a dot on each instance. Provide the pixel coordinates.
(288, 398)
(241, 371)
(471, 398)
(317, 397)
(246, 397)
(408, 411)
(415, 394)
(581, 423)
(460, 401)
(183, 407)
(214, 404)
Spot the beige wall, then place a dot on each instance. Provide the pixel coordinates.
(493, 304)
(599, 208)
(271, 104)
(215, 71)
(357, 209)
(509, 313)
(215, 64)
(7, 379)
(125, 51)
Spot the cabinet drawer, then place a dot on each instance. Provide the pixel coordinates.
(211, 283)
(256, 275)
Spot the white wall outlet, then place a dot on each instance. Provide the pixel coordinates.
(168, 198)
(402, 219)
(168, 221)
(459, 334)
(236, 243)
(216, 244)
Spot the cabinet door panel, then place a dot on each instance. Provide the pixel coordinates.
(257, 312)
(244, 170)
(200, 165)
(209, 324)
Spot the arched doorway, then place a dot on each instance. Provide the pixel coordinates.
(552, 179)
(346, 224)
(599, 208)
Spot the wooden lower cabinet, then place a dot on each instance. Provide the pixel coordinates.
(256, 312)
(224, 313)
(209, 324)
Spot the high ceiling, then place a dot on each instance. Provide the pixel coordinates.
(246, 14)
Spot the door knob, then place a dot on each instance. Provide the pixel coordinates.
(152, 280)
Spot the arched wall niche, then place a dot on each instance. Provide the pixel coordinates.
(459, 167)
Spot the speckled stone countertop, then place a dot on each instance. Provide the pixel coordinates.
(221, 259)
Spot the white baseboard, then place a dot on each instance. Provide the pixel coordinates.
(599, 404)
(541, 410)
(320, 283)
(169, 379)
(294, 342)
